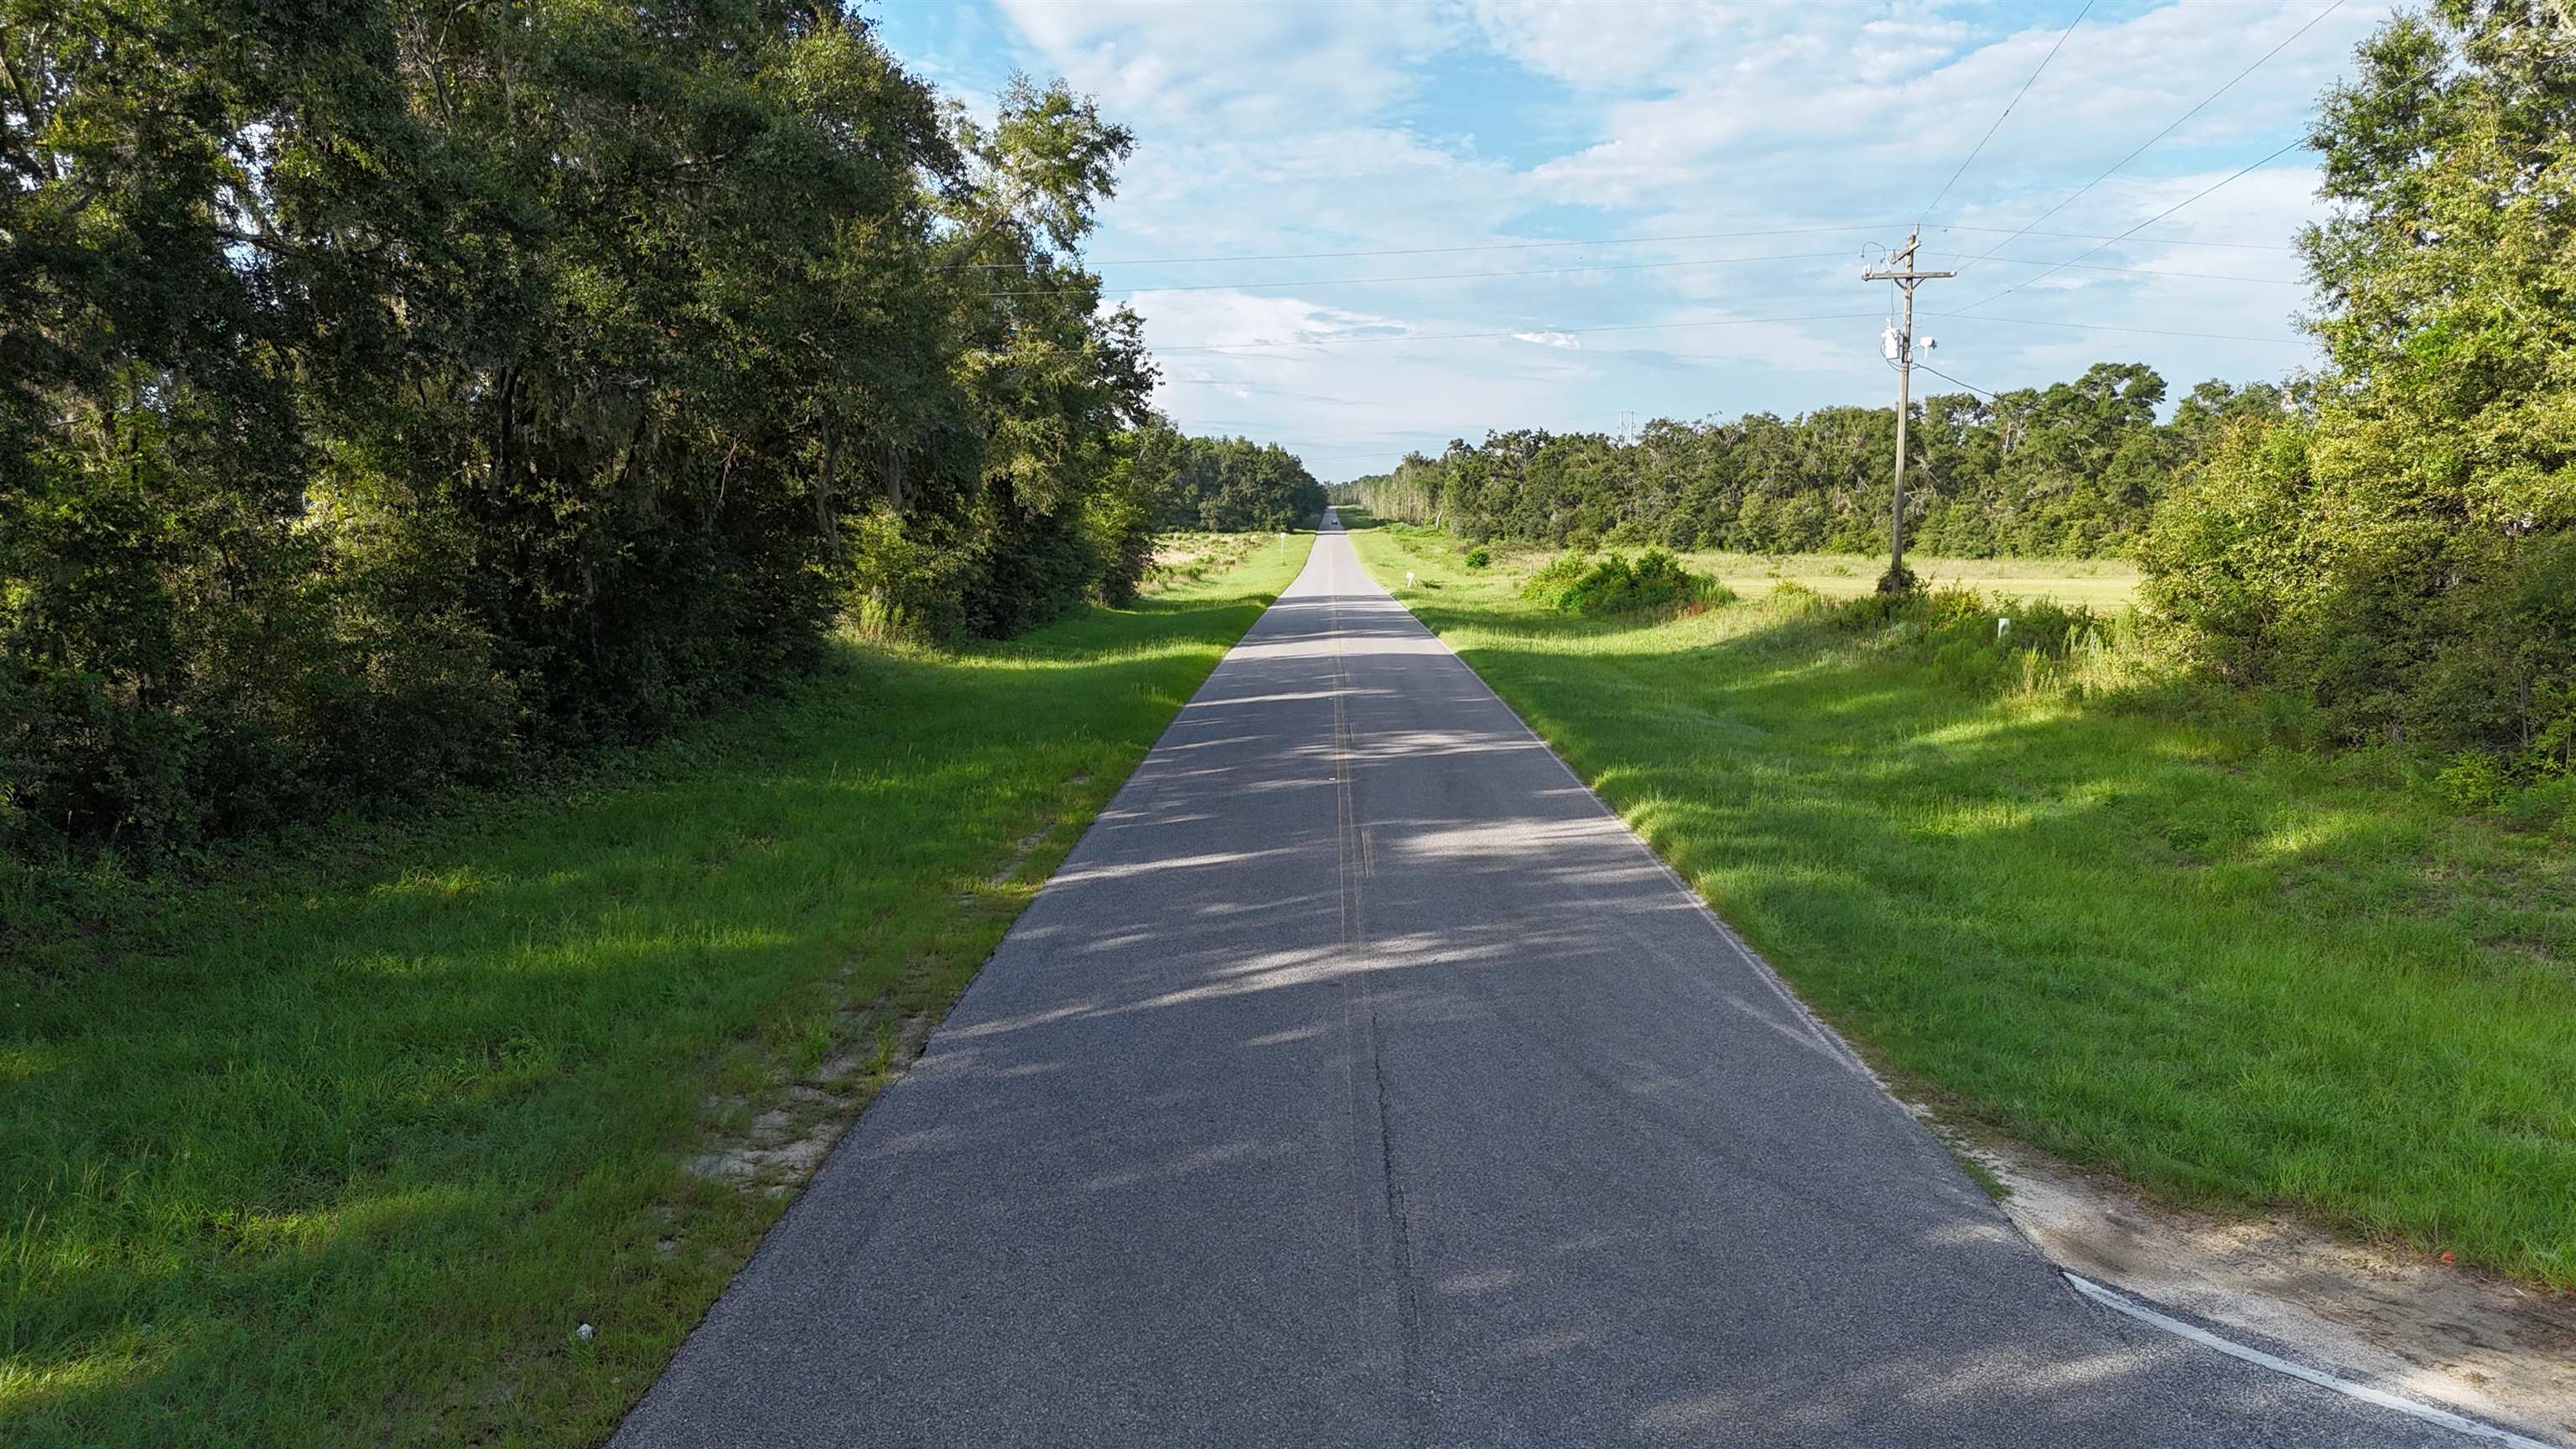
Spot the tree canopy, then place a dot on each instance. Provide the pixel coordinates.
(391, 394)
(2403, 555)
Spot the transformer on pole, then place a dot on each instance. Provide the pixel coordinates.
(1898, 345)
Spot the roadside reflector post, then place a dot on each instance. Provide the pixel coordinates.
(2003, 626)
(1408, 578)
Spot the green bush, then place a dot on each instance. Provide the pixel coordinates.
(2551, 804)
(2472, 781)
(2403, 555)
(1956, 629)
(1478, 557)
(2280, 570)
(1575, 584)
(1791, 596)
(1548, 585)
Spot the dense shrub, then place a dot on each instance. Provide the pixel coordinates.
(1575, 584)
(2290, 567)
(1549, 585)
(2403, 556)
(1479, 557)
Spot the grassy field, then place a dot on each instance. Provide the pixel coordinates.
(2101, 583)
(2107, 584)
(2238, 977)
(345, 1149)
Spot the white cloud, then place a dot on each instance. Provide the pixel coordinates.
(1280, 129)
(1649, 45)
(1237, 65)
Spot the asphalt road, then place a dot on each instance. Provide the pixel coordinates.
(1360, 1080)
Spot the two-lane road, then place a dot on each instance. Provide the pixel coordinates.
(1361, 1080)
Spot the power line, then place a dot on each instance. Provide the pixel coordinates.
(1132, 292)
(1543, 331)
(2142, 271)
(1435, 276)
(1945, 377)
(2007, 111)
(1434, 251)
(2141, 226)
(1629, 243)
(1531, 331)
(1614, 241)
(2312, 24)
(2162, 241)
(2105, 327)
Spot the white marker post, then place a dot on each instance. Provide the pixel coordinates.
(2003, 626)
(1408, 579)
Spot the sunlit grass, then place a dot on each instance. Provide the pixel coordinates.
(343, 1149)
(2240, 977)
(2102, 583)
(2108, 584)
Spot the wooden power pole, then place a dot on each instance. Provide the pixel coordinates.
(1900, 350)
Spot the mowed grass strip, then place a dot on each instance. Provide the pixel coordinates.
(344, 1151)
(2239, 978)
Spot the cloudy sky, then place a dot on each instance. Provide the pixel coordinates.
(1571, 215)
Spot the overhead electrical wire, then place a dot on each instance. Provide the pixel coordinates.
(1542, 334)
(2070, 199)
(2141, 226)
(1613, 241)
(2105, 327)
(1433, 276)
(1529, 331)
(2144, 271)
(2162, 241)
(1433, 251)
(1945, 377)
(2007, 110)
(1535, 332)
(1128, 293)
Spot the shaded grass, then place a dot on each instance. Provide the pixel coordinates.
(2240, 977)
(343, 1149)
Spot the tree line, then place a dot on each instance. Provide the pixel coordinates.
(1232, 485)
(394, 395)
(2069, 470)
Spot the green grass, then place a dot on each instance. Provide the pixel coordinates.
(2107, 584)
(2239, 977)
(342, 1149)
(2101, 583)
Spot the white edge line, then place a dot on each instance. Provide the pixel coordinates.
(2346, 1387)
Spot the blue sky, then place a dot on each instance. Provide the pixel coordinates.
(1579, 213)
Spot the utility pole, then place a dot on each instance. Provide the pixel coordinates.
(1899, 344)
